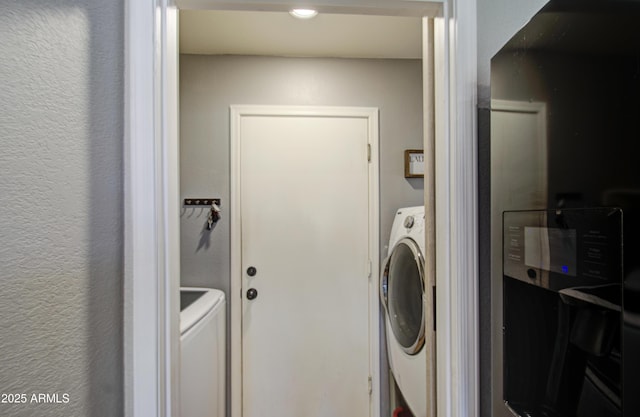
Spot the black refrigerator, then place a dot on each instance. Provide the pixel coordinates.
(565, 213)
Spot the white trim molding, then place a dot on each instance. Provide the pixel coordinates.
(457, 344)
(429, 133)
(152, 258)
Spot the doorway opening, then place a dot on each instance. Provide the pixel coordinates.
(216, 43)
(152, 208)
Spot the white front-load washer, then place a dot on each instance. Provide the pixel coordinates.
(402, 295)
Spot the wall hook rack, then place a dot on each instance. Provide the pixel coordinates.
(201, 201)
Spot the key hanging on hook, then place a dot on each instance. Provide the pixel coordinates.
(214, 215)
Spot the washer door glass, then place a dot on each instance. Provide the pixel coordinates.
(405, 288)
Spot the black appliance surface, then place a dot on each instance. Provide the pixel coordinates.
(569, 279)
(562, 312)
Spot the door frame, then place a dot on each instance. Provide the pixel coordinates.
(151, 200)
(237, 112)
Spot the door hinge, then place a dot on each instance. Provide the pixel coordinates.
(369, 152)
(369, 268)
(370, 385)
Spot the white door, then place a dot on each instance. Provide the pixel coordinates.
(306, 242)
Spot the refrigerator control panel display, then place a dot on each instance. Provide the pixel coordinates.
(560, 248)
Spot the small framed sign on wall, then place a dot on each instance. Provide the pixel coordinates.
(414, 163)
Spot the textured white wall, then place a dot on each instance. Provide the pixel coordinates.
(61, 237)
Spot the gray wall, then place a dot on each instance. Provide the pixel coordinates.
(209, 84)
(61, 233)
(498, 21)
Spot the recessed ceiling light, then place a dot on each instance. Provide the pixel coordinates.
(303, 13)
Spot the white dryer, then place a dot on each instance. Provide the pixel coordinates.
(402, 294)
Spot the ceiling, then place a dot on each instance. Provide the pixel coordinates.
(279, 34)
